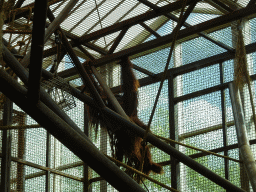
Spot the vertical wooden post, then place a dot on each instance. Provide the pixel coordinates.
(224, 125)
(48, 162)
(173, 134)
(37, 47)
(176, 121)
(87, 187)
(21, 152)
(6, 148)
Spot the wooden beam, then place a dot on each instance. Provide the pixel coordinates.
(37, 46)
(118, 40)
(183, 34)
(130, 22)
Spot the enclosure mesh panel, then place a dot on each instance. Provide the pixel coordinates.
(36, 143)
(192, 50)
(235, 175)
(165, 178)
(201, 112)
(223, 35)
(198, 114)
(195, 18)
(14, 179)
(154, 62)
(253, 30)
(159, 126)
(228, 71)
(64, 160)
(30, 145)
(67, 184)
(139, 74)
(196, 182)
(200, 79)
(34, 183)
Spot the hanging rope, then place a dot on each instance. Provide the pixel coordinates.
(58, 43)
(100, 20)
(242, 75)
(140, 173)
(175, 32)
(198, 149)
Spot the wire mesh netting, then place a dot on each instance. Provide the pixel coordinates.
(60, 91)
(194, 106)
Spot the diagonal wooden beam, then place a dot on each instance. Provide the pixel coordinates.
(224, 6)
(216, 6)
(119, 26)
(18, 4)
(245, 12)
(53, 26)
(130, 22)
(86, 79)
(150, 30)
(173, 17)
(118, 40)
(183, 34)
(232, 4)
(79, 145)
(85, 52)
(252, 2)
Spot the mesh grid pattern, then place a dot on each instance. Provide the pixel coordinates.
(201, 79)
(196, 182)
(253, 30)
(228, 71)
(154, 62)
(191, 54)
(198, 119)
(36, 183)
(223, 35)
(195, 18)
(159, 126)
(69, 184)
(234, 168)
(201, 112)
(14, 180)
(208, 141)
(37, 152)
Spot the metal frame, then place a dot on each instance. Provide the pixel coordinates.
(80, 145)
(164, 41)
(46, 118)
(191, 30)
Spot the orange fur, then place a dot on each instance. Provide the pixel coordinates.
(124, 142)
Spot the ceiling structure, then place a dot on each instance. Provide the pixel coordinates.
(106, 30)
